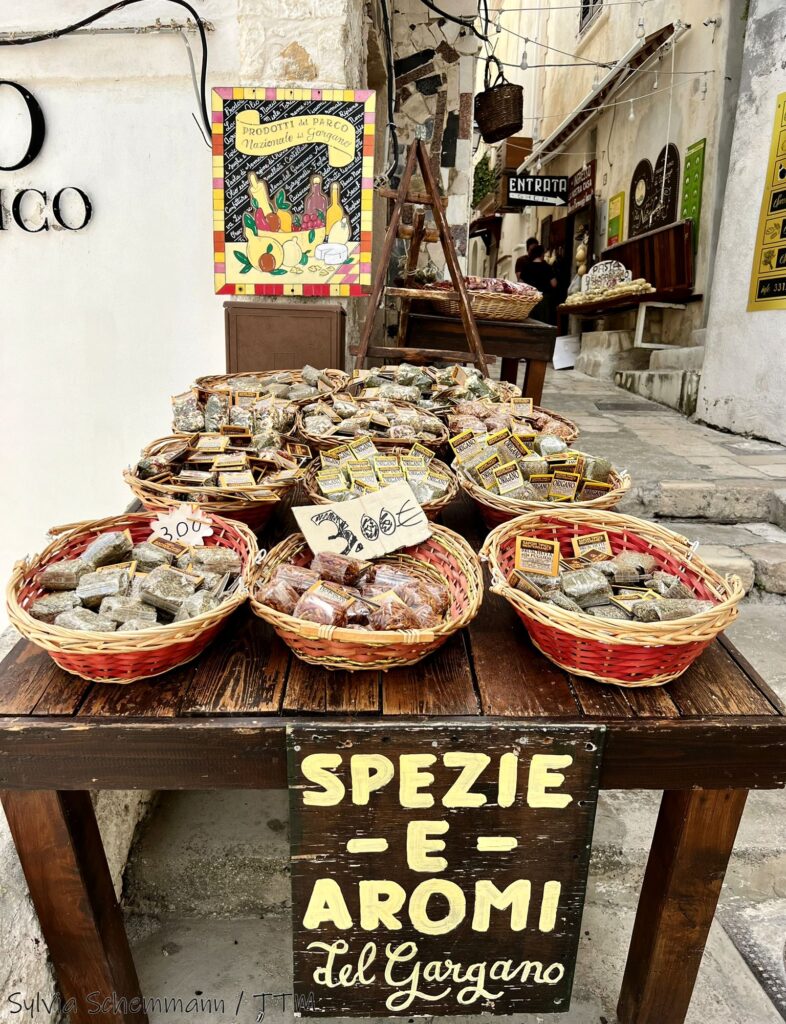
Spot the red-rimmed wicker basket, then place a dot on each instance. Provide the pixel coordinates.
(496, 509)
(314, 496)
(217, 381)
(121, 657)
(254, 507)
(445, 558)
(626, 653)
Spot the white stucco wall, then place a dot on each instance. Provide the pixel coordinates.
(100, 326)
(745, 360)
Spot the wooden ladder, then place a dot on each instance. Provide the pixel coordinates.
(431, 197)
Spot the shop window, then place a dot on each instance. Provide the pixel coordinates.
(590, 9)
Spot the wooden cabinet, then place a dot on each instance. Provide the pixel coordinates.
(283, 335)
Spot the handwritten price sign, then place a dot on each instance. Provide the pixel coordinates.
(187, 524)
(439, 870)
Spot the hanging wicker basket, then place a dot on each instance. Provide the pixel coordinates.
(499, 109)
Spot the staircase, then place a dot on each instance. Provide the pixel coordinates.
(672, 377)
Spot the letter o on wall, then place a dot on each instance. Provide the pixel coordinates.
(57, 210)
(37, 127)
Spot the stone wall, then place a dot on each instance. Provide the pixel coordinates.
(435, 68)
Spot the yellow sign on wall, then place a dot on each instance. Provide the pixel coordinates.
(768, 277)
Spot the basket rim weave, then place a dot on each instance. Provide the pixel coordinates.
(295, 543)
(517, 507)
(323, 443)
(694, 628)
(210, 383)
(147, 490)
(309, 483)
(505, 389)
(485, 304)
(56, 638)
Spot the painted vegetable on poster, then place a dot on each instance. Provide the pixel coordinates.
(293, 174)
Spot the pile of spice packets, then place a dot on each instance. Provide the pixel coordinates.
(206, 466)
(116, 584)
(515, 414)
(336, 590)
(258, 404)
(429, 387)
(626, 586)
(357, 468)
(341, 415)
(525, 466)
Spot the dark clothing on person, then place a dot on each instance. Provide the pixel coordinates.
(521, 262)
(539, 274)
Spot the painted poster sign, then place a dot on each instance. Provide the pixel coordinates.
(616, 219)
(537, 190)
(439, 870)
(293, 177)
(768, 277)
(654, 193)
(581, 187)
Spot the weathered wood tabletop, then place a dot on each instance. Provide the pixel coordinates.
(220, 722)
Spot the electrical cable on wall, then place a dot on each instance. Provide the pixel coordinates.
(60, 32)
(391, 125)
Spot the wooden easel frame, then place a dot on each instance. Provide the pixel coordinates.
(418, 154)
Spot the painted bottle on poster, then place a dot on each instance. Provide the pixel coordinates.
(335, 211)
(316, 200)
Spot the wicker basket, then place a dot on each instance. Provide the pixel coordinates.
(499, 111)
(627, 654)
(254, 509)
(322, 444)
(445, 558)
(432, 509)
(505, 389)
(485, 305)
(217, 381)
(568, 437)
(121, 657)
(497, 509)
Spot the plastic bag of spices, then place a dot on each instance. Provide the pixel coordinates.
(85, 620)
(392, 613)
(324, 603)
(188, 416)
(166, 588)
(95, 586)
(296, 576)
(64, 575)
(279, 595)
(47, 608)
(108, 548)
(216, 412)
(342, 569)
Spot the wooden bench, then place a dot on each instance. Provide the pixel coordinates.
(664, 257)
(219, 723)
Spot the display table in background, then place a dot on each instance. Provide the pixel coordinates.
(512, 340)
(219, 723)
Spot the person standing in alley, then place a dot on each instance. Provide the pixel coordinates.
(540, 275)
(525, 257)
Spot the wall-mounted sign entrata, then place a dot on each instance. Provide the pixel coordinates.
(581, 187)
(439, 870)
(30, 208)
(768, 277)
(537, 190)
(293, 178)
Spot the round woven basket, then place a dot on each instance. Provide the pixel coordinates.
(499, 111)
(485, 305)
(121, 657)
(432, 509)
(629, 654)
(323, 444)
(569, 436)
(254, 508)
(218, 381)
(445, 558)
(497, 509)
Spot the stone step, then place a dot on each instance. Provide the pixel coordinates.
(206, 853)
(678, 389)
(728, 501)
(677, 358)
(605, 352)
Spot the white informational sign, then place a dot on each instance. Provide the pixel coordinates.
(186, 524)
(566, 349)
(366, 527)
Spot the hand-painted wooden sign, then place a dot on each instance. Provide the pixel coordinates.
(293, 177)
(439, 869)
(768, 276)
(581, 187)
(654, 194)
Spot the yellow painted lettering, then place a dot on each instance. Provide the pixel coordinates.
(421, 847)
(326, 904)
(380, 901)
(316, 768)
(471, 765)
(412, 779)
(369, 773)
(543, 775)
(487, 895)
(418, 906)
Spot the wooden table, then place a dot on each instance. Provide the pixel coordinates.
(219, 723)
(512, 340)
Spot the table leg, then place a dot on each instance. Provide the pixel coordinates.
(60, 849)
(690, 850)
(534, 376)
